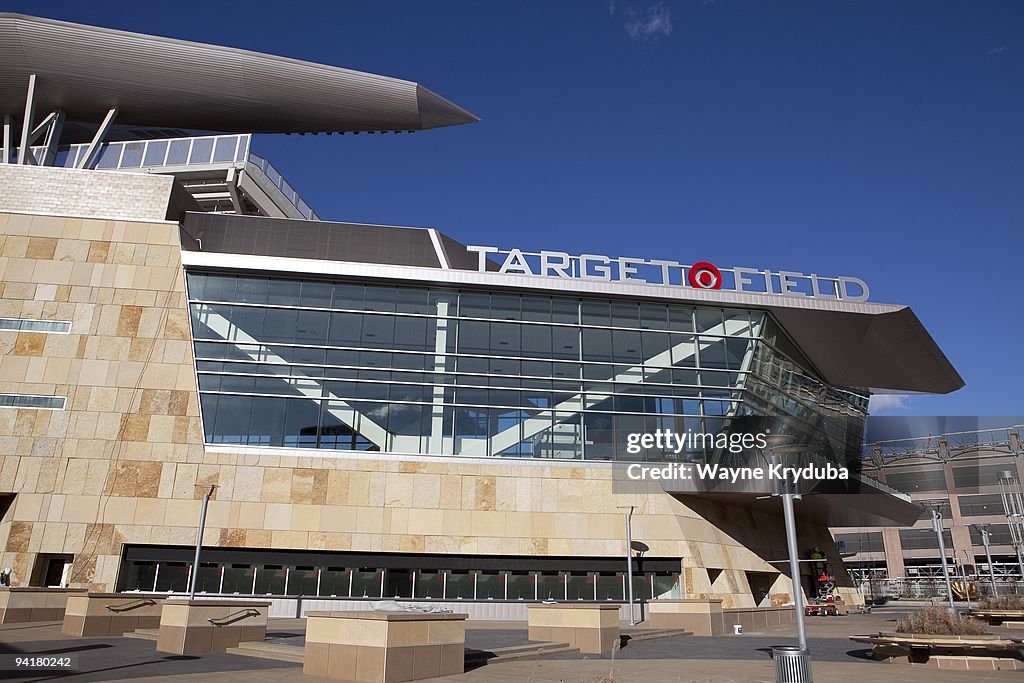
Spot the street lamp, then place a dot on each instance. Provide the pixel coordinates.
(983, 530)
(780, 445)
(937, 528)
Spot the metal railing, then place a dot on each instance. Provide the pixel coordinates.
(287, 190)
(166, 154)
(1001, 441)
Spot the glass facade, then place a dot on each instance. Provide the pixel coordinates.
(342, 365)
(375, 583)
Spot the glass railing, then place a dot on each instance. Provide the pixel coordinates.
(287, 190)
(203, 150)
(149, 154)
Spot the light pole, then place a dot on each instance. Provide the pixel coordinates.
(199, 542)
(779, 445)
(937, 528)
(983, 529)
(629, 559)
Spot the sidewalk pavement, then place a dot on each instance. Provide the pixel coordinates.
(679, 659)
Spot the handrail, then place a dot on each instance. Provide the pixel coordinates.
(134, 604)
(234, 616)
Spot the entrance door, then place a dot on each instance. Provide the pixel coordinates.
(51, 570)
(54, 572)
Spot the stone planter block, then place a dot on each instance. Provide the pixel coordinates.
(192, 627)
(111, 614)
(384, 647)
(593, 628)
(701, 617)
(24, 604)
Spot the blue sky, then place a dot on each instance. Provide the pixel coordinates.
(875, 139)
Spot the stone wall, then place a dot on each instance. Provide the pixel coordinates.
(73, 192)
(126, 370)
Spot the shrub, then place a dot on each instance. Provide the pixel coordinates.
(1005, 602)
(939, 621)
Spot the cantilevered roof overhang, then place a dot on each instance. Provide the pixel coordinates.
(880, 347)
(162, 82)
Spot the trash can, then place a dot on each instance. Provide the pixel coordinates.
(792, 665)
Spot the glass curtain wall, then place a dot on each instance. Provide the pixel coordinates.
(312, 364)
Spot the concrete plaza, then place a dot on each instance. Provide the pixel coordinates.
(678, 659)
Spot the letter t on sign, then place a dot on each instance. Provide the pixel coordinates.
(482, 253)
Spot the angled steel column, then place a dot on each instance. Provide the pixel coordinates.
(97, 140)
(26, 122)
(1013, 508)
(983, 528)
(937, 527)
(629, 559)
(52, 139)
(199, 543)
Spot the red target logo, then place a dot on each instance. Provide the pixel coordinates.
(704, 275)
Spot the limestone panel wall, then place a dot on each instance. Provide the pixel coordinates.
(126, 370)
(67, 191)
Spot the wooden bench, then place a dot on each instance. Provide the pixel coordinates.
(982, 652)
(1010, 618)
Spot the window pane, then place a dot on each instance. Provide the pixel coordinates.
(155, 152)
(225, 148)
(178, 154)
(238, 579)
(202, 150)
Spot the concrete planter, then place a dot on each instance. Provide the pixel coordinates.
(24, 604)
(591, 627)
(110, 614)
(192, 627)
(701, 617)
(384, 647)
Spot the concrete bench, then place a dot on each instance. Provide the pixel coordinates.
(593, 628)
(193, 627)
(110, 614)
(24, 604)
(384, 647)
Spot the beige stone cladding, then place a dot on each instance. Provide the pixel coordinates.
(289, 499)
(88, 477)
(380, 647)
(190, 627)
(75, 192)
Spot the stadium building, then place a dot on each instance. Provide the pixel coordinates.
(971, 479)
(384, 411)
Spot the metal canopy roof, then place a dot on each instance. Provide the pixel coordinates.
(163, 82)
